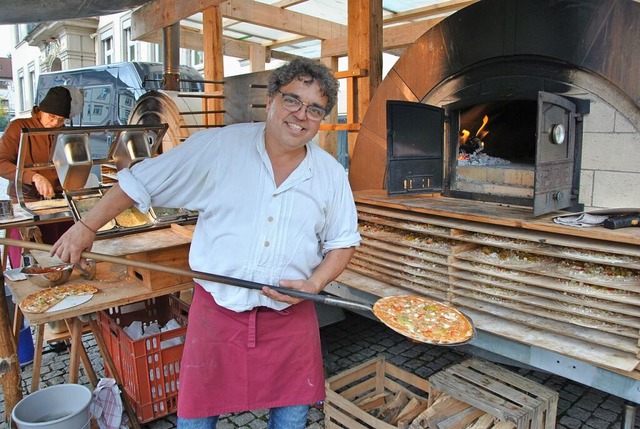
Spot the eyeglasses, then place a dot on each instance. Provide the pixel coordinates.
(292, 104)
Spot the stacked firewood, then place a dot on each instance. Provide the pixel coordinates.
(402, 410)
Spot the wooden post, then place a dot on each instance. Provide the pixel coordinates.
(9, 364)
(329, 140)
(257, 57)
(364, 49)
(212, 44)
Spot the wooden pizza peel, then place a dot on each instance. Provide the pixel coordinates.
(232, 281)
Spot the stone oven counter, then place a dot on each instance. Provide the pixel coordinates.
(563, 299)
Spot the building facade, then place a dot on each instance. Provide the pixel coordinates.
(7, 100)
(54, 46)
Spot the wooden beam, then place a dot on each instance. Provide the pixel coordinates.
(399, 36)
(213, 63)
(257, 58)
(402, 36)
(281, 19)
(436, 9)
(396, 37)
(288, 3)
(289, 41)
(157, 14)
(426, 12)
(277, 55)
(350, 73)
(193, 40)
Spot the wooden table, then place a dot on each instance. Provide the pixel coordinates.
(115, 288)
(120, 291)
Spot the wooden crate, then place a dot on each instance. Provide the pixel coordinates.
(176, 257)
(348, 392)
(499, 392)
(374, 385)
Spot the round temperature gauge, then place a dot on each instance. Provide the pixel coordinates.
(558, 134)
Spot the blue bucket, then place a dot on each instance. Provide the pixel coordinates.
(25, 347)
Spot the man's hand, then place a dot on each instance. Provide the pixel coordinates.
(43, 186)
(80, 237)
(301, 285)
(335, 261)
(70, 246)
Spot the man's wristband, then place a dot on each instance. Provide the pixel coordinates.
(87, 226)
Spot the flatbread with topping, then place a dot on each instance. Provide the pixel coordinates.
(43, 300)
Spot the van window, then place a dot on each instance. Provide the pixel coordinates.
(97, 101)
(125, 105)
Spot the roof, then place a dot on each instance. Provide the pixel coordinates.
(283, 27)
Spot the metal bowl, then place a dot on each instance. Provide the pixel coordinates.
(47, 276)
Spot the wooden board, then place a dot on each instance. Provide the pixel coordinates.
(453, 208)
(138, 242)
(586, 351)
(492, 213)
(53, 335)
(464, 229)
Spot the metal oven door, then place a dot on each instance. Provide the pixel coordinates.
(415, 146)
(555, 149)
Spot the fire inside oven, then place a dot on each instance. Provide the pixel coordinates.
(497, 134)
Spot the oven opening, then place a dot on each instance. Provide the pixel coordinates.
(500, 133)
(494, 157)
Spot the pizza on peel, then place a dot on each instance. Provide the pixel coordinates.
(43, 300)
(423, 319)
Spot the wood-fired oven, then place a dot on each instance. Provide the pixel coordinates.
(536, 72)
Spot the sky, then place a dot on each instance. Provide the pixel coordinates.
(6, 40)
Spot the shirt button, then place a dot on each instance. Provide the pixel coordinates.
(267, 244)
(270, 218)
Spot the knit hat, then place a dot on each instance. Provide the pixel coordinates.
(57, 102)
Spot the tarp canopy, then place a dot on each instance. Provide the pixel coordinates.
(32, 11)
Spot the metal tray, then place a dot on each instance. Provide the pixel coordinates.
(81, 205)
(167, 214)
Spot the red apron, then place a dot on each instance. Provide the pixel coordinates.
(249, 361)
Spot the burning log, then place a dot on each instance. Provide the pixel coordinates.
(472, 146)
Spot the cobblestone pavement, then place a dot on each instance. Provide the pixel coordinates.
(358, 339)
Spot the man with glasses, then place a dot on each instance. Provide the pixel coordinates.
(273, 208)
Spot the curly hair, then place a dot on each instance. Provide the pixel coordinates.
(308, 71)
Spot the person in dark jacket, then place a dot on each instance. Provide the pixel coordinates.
(52, 112)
